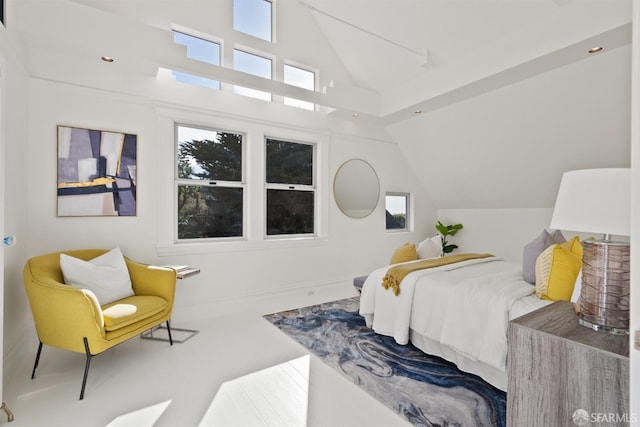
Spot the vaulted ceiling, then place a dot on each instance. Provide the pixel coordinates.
(509, 96)
(399, 55)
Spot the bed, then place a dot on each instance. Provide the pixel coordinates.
(458, 311)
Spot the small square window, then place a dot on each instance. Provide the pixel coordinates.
(397, 206)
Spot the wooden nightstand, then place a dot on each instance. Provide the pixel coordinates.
(557, 367)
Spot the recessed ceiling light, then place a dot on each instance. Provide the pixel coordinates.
(417, 112)
(595, 49)
(355, 115)
(107, 59)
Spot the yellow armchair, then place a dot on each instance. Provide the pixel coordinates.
(70, 318)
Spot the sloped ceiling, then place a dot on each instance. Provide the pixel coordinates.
(421, 55)
(503, 86)
(397, 56)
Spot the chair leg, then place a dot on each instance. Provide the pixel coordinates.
(35, 365)
(169, 332)
(86, 366)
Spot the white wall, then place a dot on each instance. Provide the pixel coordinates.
(508, 148)
(501, 232)
(235, 276)
(15, 170)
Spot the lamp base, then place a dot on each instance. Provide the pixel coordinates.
(603, 328)
(604, 297)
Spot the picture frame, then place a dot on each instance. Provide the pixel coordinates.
(97, 172)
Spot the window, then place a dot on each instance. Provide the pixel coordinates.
(253, 17)
(200, 50)
(299, 77)
(252, 64)
(290, 188)
(397, 205)
(210, 186)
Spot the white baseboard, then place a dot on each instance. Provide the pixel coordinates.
(267, 302)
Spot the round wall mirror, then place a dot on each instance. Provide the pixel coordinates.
(356, 188)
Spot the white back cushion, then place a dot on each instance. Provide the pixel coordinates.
(106, 276)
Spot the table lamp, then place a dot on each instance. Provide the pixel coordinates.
(598, 201)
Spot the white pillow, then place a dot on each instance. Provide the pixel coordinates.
(106, 276)
(430, 247)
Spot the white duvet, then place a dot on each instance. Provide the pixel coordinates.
(464, 306)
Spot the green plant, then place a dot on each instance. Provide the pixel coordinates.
(445, 231)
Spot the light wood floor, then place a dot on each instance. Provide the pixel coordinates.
(237, 371)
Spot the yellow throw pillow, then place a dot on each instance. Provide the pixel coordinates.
(404, 253)
(557, 268)
(574, 246)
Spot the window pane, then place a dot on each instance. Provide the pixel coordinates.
(301, 78)
(253, 17)
(255, 65)
(289, 163)
(396, 206)
(290, 212)
(195, 80)
(209, 155)
(209, 212)
(200, 50)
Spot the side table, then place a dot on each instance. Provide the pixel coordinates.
(563, 373)
(182, 272)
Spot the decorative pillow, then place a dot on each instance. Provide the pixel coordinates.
(430, 247)
(557, 268)
(574, 246)
(106, 276)
(404, 253)
(533, 249)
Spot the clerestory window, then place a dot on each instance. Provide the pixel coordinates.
(254, 17)
(299, 77)
(255, 65)
(200, 50)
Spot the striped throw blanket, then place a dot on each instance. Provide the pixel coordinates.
(398, 272)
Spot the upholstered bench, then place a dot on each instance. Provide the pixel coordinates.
(358, 282)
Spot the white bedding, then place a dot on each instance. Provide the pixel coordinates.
(464, 307)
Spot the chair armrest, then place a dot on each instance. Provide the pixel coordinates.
(152, 280)
(63, 315)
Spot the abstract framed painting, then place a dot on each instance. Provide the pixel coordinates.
(96, 172)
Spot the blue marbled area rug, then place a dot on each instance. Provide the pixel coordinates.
(426, 390)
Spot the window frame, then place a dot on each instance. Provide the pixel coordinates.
(291, 187)
(254, 129)
(242, 183)
(407, 223)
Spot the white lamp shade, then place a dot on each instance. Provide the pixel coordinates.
(594, 201)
